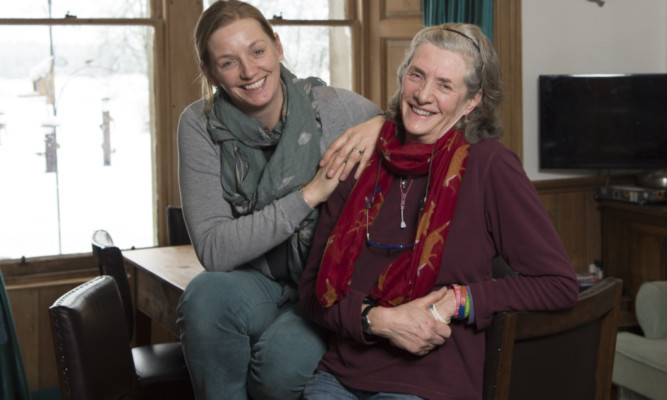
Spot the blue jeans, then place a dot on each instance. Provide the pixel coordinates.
(239, 342)
(325, 386)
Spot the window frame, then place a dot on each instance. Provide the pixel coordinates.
(162, 141)
(350, 21)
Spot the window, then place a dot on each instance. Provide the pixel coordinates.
(76, 125)
(79, 147)
(316, 37)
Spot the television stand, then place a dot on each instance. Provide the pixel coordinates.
(656, 178)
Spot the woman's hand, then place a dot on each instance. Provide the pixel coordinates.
(320, 187)
(355, 145)
(411, 326)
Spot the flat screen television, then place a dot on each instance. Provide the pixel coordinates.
(603, 121)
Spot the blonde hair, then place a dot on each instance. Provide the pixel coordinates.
(218, 15)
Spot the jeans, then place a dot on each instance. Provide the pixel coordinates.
(325, 386)
(239, 342)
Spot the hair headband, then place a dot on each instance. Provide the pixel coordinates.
(467, 37)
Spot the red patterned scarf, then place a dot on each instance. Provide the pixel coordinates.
(413, 274)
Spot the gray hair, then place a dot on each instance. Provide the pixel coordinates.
(482, 74)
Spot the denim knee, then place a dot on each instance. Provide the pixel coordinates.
(242, 301)
(194, 307)
(285, 357)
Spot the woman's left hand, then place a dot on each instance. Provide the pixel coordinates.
(410, 326)
(320, 187)
(355, 145)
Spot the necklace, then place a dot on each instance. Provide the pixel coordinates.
(404, 194)
(370, 200)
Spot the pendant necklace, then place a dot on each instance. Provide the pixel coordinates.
(404, 194)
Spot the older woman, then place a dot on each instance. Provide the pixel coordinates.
(250, 187)
(400, 267)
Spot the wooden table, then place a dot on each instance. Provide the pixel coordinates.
(161, 274)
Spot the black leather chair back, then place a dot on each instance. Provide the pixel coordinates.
(110, 262)
(91, 342)
(177, 232)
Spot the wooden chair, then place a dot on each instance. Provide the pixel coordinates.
(566, 354)
(154, 364)
(177, 232)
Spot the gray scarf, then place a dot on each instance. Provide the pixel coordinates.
(249, 181)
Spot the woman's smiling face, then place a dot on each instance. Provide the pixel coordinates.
(434, 96)
(245, 62)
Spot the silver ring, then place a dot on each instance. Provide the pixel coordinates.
(357, 151)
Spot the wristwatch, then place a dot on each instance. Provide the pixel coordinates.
(365, 321)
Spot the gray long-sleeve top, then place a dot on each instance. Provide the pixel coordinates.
(221, 241)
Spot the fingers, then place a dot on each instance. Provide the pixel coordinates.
(363, 163)
(362, 137)
(344, 163)
(356, 156)
(434, 296)
(429, 346)
(332, 150)
(446, 306)
(319, 188)
(340, 151)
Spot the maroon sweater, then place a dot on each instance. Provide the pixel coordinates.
(498, 213)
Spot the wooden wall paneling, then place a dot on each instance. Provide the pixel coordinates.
(572, 215)
(402, 8)
(32, 286)
(575, 213)
(593, 232)
(176, 86)
(634, 248)
(389, 28)
(634, 240)
(550, 203)
(394, 52)
(572, 222)
(30, 302)
(507, 42)
(356, 37)
(25, 310)
(648, 249)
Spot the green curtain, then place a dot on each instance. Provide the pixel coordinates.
(14, 381)
(478, 12)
